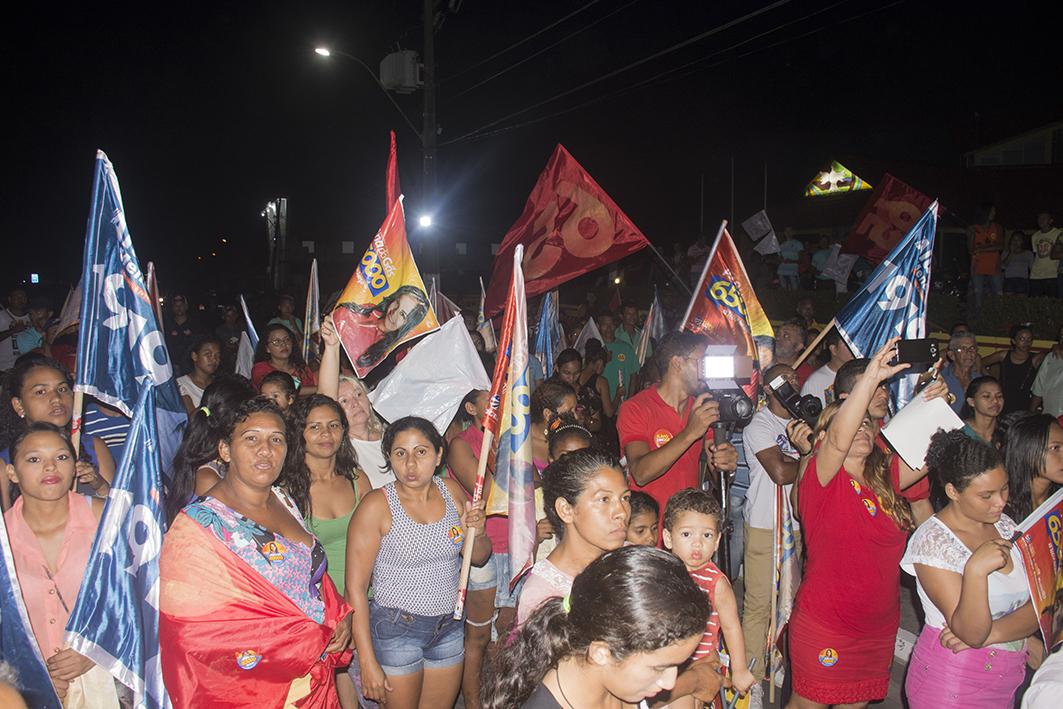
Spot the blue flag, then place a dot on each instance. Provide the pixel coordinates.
(550, 339)
(18, 647)
(120, 344)
(115, 620)
(893, 301)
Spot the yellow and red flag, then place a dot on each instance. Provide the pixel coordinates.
(724, 308)
(385, 303)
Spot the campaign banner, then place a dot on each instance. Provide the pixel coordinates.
(892, 211)
(724, 308)
(385, 303)
(569, 226)
(1039, 540)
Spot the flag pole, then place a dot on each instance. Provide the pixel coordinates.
(667, 265)
(75, 421)
(776, 557)
(815, 343)
(704, 270)
(470, 534)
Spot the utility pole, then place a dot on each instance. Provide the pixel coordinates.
(428, 134)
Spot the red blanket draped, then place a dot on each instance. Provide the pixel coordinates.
(229, 638)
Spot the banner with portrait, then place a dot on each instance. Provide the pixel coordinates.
(1040, 541)
(385, 303)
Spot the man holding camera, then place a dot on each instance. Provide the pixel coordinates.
(661, 426)
(773, 460)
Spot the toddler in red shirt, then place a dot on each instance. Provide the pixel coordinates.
(692, 533)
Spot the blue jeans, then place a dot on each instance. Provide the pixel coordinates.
(405, 642)
(980, 283)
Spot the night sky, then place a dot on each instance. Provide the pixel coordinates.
(208, 110)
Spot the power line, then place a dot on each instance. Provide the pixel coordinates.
(530, 37)
(543, 50)
(655, 79)
(632, 65)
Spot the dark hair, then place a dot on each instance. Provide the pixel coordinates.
(282, 379)
(636, 599)
(1019, 327)
(409, 423)
(967, 411)
(568, 355)
(197, 342)
(832, 338)
(676, 344)
(568, 476)
(262, 352)
(1024, 459)
(566, 431)
(11, 425)
(848, 373)
(954, 458)
(206, 427)
(594, 351)
(379, 349)
(40, 427)
(463, 416)
(295, 478)
(550, 394)
(641, 502)
(690, 499)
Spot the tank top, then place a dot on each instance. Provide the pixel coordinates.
(1015, 381)
(332, 533)
(417, 567)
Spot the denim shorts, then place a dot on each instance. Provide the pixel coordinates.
(503, 571)
(482, 578)
(405, 643)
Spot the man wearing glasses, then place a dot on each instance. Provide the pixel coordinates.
(962, 366)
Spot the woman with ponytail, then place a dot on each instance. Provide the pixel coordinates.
(197, 467)
(632, 618)
(971, 582)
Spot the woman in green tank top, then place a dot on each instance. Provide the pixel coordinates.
(321, 475)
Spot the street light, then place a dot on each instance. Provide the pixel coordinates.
(326, 53)
(424, 221)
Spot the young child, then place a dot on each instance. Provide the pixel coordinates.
(642, 526)
(280, 387)
(692, 533)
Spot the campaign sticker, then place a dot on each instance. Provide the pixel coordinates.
(248, 659)
(828, 657)
(870, 506)
(274, 551)
(856, 486)
(456, 535)
(661, 438)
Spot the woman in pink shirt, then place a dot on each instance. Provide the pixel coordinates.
(51, 530)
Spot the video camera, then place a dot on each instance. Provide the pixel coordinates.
(720, 370)
(807, 407)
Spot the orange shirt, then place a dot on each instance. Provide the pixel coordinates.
(50, 596)
(987, 263)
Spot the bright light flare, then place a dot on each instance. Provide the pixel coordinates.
(323, 51)
(617, 280)
(424, 221)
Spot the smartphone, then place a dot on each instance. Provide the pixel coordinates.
(918, 353)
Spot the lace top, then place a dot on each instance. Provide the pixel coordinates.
(934, 544)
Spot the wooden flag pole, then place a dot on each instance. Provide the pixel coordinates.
(75, 421)
(815, 343)
(701, 279)
(667, 265)
(470, 534)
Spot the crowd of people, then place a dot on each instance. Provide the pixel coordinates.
(313, 549)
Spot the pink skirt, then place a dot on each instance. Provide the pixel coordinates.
(980, 678)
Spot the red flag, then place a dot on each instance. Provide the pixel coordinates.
(569, 226)
(392, 176)
(892, 211)
(238, 641)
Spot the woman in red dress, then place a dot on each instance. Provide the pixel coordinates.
(855, 526)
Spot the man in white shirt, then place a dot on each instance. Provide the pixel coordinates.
(821, 382)
(773, 461)
(13, 319)
(1048, 385)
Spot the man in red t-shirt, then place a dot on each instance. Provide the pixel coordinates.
(661, 427)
